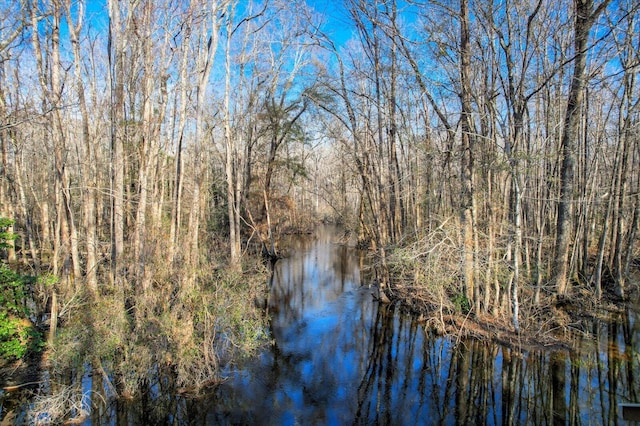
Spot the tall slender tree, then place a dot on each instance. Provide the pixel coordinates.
(586, 13)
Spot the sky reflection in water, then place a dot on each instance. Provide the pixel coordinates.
(334, 349)
(339, 358)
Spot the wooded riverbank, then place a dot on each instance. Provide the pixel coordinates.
(486, 155)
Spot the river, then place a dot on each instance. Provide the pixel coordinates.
(338, 357)
(341, 358)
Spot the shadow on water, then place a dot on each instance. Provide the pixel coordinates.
(338, 357)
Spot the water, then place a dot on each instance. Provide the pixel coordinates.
(341, 358)
(325, 363)
(338, 357)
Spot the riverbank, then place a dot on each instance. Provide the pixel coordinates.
(127, 346)
(549, 324)
(334, 353)
(424, 275)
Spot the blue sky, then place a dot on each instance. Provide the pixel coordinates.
(337, 22)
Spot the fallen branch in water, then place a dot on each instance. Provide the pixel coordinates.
(22, 385)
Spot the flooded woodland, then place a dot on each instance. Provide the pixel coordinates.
(337, 356)
(345, 212)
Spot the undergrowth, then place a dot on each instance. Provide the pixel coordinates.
(425, 279)
(183, 335)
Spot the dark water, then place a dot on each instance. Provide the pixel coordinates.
(340, 358)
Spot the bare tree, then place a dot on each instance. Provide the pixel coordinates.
(468, 211)
(117, 43)
(586, 12)
(89, 163)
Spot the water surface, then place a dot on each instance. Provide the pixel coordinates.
(338, 357)
(341, 358)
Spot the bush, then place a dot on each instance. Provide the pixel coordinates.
(16, 336)
(425, 274)
(17, 333)
(4, 234)
(461, 303)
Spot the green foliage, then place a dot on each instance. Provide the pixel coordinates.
(48, 280)
(461, 303)
(12, 291)
(12, 336)
(4, 234)
(296, 167)
(17, 334)
(319, 96)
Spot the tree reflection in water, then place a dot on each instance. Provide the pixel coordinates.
(412, 377)
(340, 358)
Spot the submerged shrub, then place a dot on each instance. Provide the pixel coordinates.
(219, 324)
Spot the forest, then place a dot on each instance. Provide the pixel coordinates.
(485, 154)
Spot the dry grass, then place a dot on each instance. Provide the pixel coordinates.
(425, 274)
(425, 279)
(185, 332)
(63, 403)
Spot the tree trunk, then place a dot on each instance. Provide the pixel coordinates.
(145, 148)
(176, 204)
(204, 64)
(6, 189)
(585, 17)
(25, 213)
(88, 165)
(116, 76)
(230, 171)
(467, 211)
(50, 79)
